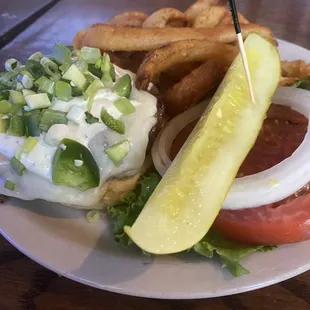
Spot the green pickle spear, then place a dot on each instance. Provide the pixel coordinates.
(74, 166)
(185, 203)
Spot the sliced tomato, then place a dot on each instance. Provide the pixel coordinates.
(286, 221)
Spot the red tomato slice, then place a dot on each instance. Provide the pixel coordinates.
(287, 221)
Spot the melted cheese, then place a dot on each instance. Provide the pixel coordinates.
(37, 180)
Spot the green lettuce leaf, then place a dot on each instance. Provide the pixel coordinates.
(303, 83)
(211, 246)
(229, 252)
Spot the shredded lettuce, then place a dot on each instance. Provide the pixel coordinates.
(213, 245)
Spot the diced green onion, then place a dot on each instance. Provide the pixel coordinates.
(18, 86)
(64, 67)
(76, 92)
(56, 77)
(4, 123)
(27, 92)
(52, 117)
(61, 53)
(9, 185)
(17, 109)
(112, 73)
(36, 56)
(35, 68)
(32, 122)
(17, 97)
(91, 92)
(11, 64)
(95, 71)
(63, 90)
(90, 54)
(112, 123)
(45, 85)
(90, 119)
(9, 78)
(93, 216)
(124, 106)
(76, 76)
(90, 77)
(38, 101)
(29, 144)
(18, 152)
(98, 63)
(76, 114)
(18, 167)
(123, 86)
(82, 65)
(105, 68)
(17, 126)
(49, 66)
(5, 107)
(4, 94)
(118, 151)
(26, 79)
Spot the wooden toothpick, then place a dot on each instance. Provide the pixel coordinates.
(235, 18)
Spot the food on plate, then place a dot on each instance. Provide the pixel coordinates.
(180, 52)
(128, 19)
(82, 127)
(119, 38)
(73, 128)
(167, 17)
(187, 200)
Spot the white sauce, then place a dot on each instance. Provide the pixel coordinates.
(37, 180)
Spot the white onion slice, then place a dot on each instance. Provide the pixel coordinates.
(271, 185)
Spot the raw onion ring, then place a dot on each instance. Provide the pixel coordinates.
(271, 185)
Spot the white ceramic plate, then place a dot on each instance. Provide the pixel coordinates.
(60, 239)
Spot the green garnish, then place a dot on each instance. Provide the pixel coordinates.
(50, 67)
(124, 106)
(35, 68)
(4, 94)
(118, 151)
(9, 185)
(32, 121)
(4, 123)
(17, 97)
(63, 91)
(106, 71)
(36, 56)
(303, 83)
(18, 167)
(26, 79)
(52, 117)
(76, 76)
(29, 144)
(90, 54)
(123, 86)
(11, 64)
(38, 101)
(17, 126)
(5, 107)
(112, 123)
(65, 172)
(62, 53)
(90, 119)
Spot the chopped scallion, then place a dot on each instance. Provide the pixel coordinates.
(62, 53)
(17, 97)
(38, 101)
(118, 151)
(36, 56)
(11, 64)
(52, 117)
(4, 94)
(123, 86)
(95, 71)
(9, 185)
(35, 68)
(5, 107)
(90, 54)
(124, 106)
(76, 76)
(17, 126)
(4, 123)
(26, 79)
(29, 144)
(18, 167)
(32, 121)
(50, 67)
(63, 90)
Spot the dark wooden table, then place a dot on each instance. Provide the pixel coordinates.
(25, 284)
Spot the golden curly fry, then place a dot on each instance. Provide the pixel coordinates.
(287, 81)
(195, 9)
(117, 38)
(193, 87)
(128, 19)
(167, 17)
(180, 52)
(210, 17)
(227, 20)
(78, 39)
(295, 69)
